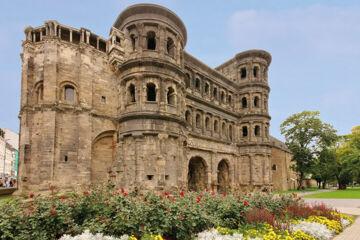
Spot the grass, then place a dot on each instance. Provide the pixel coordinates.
(351, 193)
(5, 198)
(298, 191)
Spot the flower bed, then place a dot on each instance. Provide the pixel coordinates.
(106, 213)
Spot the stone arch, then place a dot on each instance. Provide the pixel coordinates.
(187, 80)
(102, 157)
(39, 91)
(151, 40)
(171, 95)
(197, 174)
(188, 117)
(223, 173)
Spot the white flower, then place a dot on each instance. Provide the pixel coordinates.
(213, 234)
(88, 236)
(344, 222)
(317, 230)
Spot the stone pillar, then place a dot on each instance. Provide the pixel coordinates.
(71, 35)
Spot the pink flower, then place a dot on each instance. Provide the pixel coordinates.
(53, 212)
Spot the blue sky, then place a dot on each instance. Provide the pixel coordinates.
(315, 46)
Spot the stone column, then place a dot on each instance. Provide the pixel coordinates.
(71, 35)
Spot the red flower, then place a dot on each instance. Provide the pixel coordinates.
(32, 209)
(122, 190)
(201, 195)
(224, 194)
(167, 196)
(182, 194)
(31, 204)
(142, 227)
(245, 203)
(21, 209)
(182, 189)
(117, 193)
(241, 213)
(63, 197)
(181, 217)
(52, 207)
(31, 195)
(206, 190)
(107, 203)
(165, 193)
(85, 192)
(207, 214)
(198, 199)
(160, 197)
(212, 193)
(125, 194)
(53, 212)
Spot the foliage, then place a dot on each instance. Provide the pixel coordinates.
(306, 135)
(152, 215)
(348, 158)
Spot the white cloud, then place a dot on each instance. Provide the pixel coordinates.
(326, 31)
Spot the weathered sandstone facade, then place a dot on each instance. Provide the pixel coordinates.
(139, 109)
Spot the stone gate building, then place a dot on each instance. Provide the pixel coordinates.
(138, 108)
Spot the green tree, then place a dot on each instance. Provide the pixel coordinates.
(306, 136)
(324, 167)
(348, 158)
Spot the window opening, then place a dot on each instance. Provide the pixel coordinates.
(216, 126)
(149, 177)
(151, 92)
(132, 97)
(69, 93)
(151, 41)
(198, 121)
(256, 102)
(170, 47)
(133, 41)
(256, 70)
(243, 73)
(244, 102)
(171, 96)
(103, 99)
(257, 130)
(197, 84)
(244, 131)
(207, 123)
(215, 92)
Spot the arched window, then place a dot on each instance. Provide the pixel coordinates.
(215, 92)
(197, 84)
(207, 123)
(187, 80)
(131, 92)
(151, 41)
(151, 92)
(243, 72)
(222, 97)
(244, 131)
(40, 93)
(223, 129)
(257, 130)
(229, 99)
(216, 127)
(256, 102)
(206, 88)
(69, 93)
(188, 117)
(244, 102)
(255, 71)
(170, 47)
(230, 132)
(198, 121)
(133, 41)
(170, 96)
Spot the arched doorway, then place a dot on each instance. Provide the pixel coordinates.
(197, 176)
(101, 158)
(223, 176)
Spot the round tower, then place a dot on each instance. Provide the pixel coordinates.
(252, 105)
(151, 93)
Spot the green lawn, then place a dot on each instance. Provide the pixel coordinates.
(299, 191)
(353, 193)
(4, 198)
